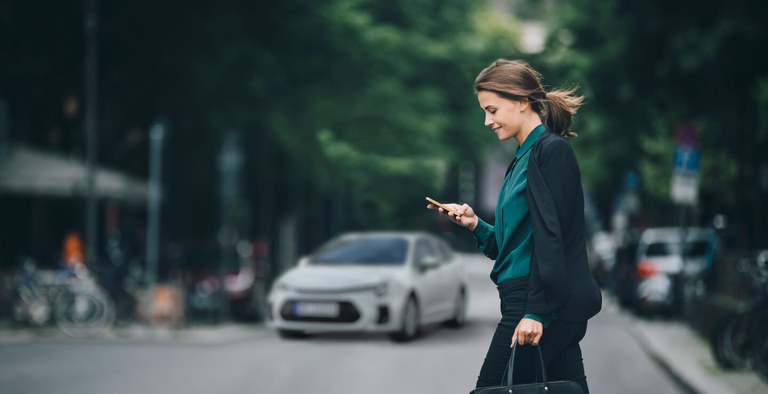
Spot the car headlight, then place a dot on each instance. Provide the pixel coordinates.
(381, 289)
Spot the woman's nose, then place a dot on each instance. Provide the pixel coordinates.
(488, 120)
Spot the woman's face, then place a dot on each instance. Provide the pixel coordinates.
(502, 115)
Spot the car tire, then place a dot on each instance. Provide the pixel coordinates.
(459, 311)
(642, 309)
(292, 334)
(410, 322)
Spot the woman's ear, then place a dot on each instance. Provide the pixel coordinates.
(524, 104)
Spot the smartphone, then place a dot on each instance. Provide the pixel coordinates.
(442, 206)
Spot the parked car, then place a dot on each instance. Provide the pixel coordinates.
(390, 282)
(664, 256)
(602, 257)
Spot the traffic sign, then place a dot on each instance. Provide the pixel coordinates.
(687, 135)
(686, 159)
(685, 188)
(685, 179)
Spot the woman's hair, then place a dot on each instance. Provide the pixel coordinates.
(517, 80)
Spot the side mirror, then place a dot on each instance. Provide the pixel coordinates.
(429, 262)
(303, 261)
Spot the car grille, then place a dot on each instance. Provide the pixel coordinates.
(347, 314)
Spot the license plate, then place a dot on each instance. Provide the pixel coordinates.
(316, 309)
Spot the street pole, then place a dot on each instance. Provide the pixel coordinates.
(3, 129)
(685, 187)
(156, 135)
(230, 165)
(90, 130)
(466, 181)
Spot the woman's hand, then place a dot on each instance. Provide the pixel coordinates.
(528, 331)
(466, 215)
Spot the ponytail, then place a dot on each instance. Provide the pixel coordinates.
(560, 106)
(516, 80)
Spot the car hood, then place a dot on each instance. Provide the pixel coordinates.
(335, 278)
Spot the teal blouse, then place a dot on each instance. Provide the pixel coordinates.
(512, 234)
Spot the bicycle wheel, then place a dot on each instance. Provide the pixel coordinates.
(730, 341)
(84, 313)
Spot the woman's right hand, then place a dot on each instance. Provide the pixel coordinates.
(466, 215)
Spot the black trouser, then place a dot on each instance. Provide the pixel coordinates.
(559, 345)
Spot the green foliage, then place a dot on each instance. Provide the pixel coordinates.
(656, 162)
(363, 99)
(761, 96)
(647, 66)
(387, 97)
(497, 31)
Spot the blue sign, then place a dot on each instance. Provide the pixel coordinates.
(631, 180)
(686, 159)
(685, 180)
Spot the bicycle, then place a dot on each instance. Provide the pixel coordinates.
(741, 338)
(73, 301)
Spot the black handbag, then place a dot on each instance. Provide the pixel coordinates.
(557, 387)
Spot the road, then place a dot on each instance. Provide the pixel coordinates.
(441, 361)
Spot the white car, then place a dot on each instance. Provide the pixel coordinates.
(663, 262)
(391, 282)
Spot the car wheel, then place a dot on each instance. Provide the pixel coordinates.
(459, 311)
(292, 334)
(409, 326)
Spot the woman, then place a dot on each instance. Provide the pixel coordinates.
(538, 238)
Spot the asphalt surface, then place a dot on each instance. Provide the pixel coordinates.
(621, 353)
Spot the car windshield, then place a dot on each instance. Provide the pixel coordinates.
(363, 251)
(658, 249)
(694, 249)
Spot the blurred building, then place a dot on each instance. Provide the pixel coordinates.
(41, 197)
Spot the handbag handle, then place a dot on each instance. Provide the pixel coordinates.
(511, 365)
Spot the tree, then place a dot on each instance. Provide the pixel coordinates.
(645, 67)
(346, 107)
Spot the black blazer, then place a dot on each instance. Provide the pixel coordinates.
(560, 279)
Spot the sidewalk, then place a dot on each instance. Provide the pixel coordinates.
(687, 357)
(135, 333)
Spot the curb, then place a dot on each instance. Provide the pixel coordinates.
(139, 334)
(686, 358)
(664, 364)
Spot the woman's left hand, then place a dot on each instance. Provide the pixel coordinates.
(528, 331)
